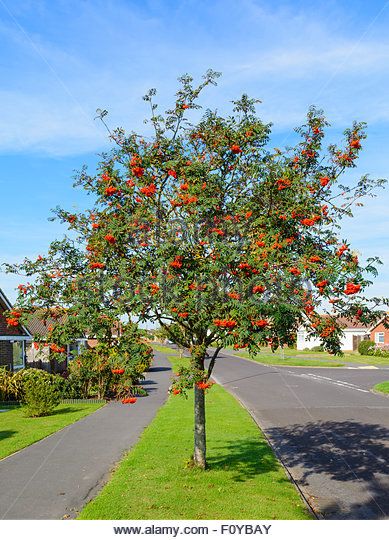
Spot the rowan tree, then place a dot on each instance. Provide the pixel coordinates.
(221, 239)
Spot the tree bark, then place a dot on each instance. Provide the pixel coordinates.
(199, 454)
(200, 445)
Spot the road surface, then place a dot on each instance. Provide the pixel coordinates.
(330, 431)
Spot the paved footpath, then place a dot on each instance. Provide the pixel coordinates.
(329, 430)
(54, 478)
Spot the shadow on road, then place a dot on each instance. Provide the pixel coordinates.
(344, 451)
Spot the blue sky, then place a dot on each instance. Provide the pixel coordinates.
(60, 60)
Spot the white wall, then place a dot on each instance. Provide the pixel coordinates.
(346, 343)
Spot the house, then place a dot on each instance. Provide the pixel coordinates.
(17, 348)
(353, 333)
(13, 339)
(41, 357)
(379, 334)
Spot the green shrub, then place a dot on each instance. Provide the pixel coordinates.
(366, 347)
(317, 348)
(72, 387)
(42, 392)
(11, 385)
(379, 351)
(94, 372)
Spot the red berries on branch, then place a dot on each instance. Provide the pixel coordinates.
(138, 171)
(261, 323)
(283, 183)
(341, 250)
(355, 143)
(235, 149)
(177, 263)
(11, 321)
(225, 323)
(149, 191)
(258, 289)
(204, 385)
(56, 349)
(110, 239)
(110, 190)
(352, 288)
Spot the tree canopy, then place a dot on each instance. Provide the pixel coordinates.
(209, 231)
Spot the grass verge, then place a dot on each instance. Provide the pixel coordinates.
(244, 479)
(293, 357)
(17, 431)
(382, 388)
(277, 360)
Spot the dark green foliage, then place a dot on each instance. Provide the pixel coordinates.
(94, 372)
(366, 347)
(42, 392)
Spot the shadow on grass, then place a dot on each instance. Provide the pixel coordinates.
(246, 459)
(6, 434)
(351, 452)
(55, 412)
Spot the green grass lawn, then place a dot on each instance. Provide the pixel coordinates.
(244, 479)
(277, 360)
(382, 387)
(17, 431)
(293, 357)
(163, 349)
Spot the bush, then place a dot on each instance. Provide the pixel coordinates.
(94, 373)
(42, 392)
(72, 386)
(383, 352)
(366, 347)
(11, 385)
(317, 348)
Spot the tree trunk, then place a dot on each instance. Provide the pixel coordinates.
(199, 455)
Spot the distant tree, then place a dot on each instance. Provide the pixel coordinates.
(220, 239)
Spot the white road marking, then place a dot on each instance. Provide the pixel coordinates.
(366, 367)
(321, 378)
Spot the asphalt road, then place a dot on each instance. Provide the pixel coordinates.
(55, 477)
(330, 431)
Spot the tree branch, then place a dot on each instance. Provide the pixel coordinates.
(212, 362)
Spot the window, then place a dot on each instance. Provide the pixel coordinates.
(18, 354)
(300, 336)
(379, 337)
(76, 348)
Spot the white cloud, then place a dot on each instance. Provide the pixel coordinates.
(287, 57)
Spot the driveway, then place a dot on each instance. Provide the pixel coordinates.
(329, 430)
(54, 478)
